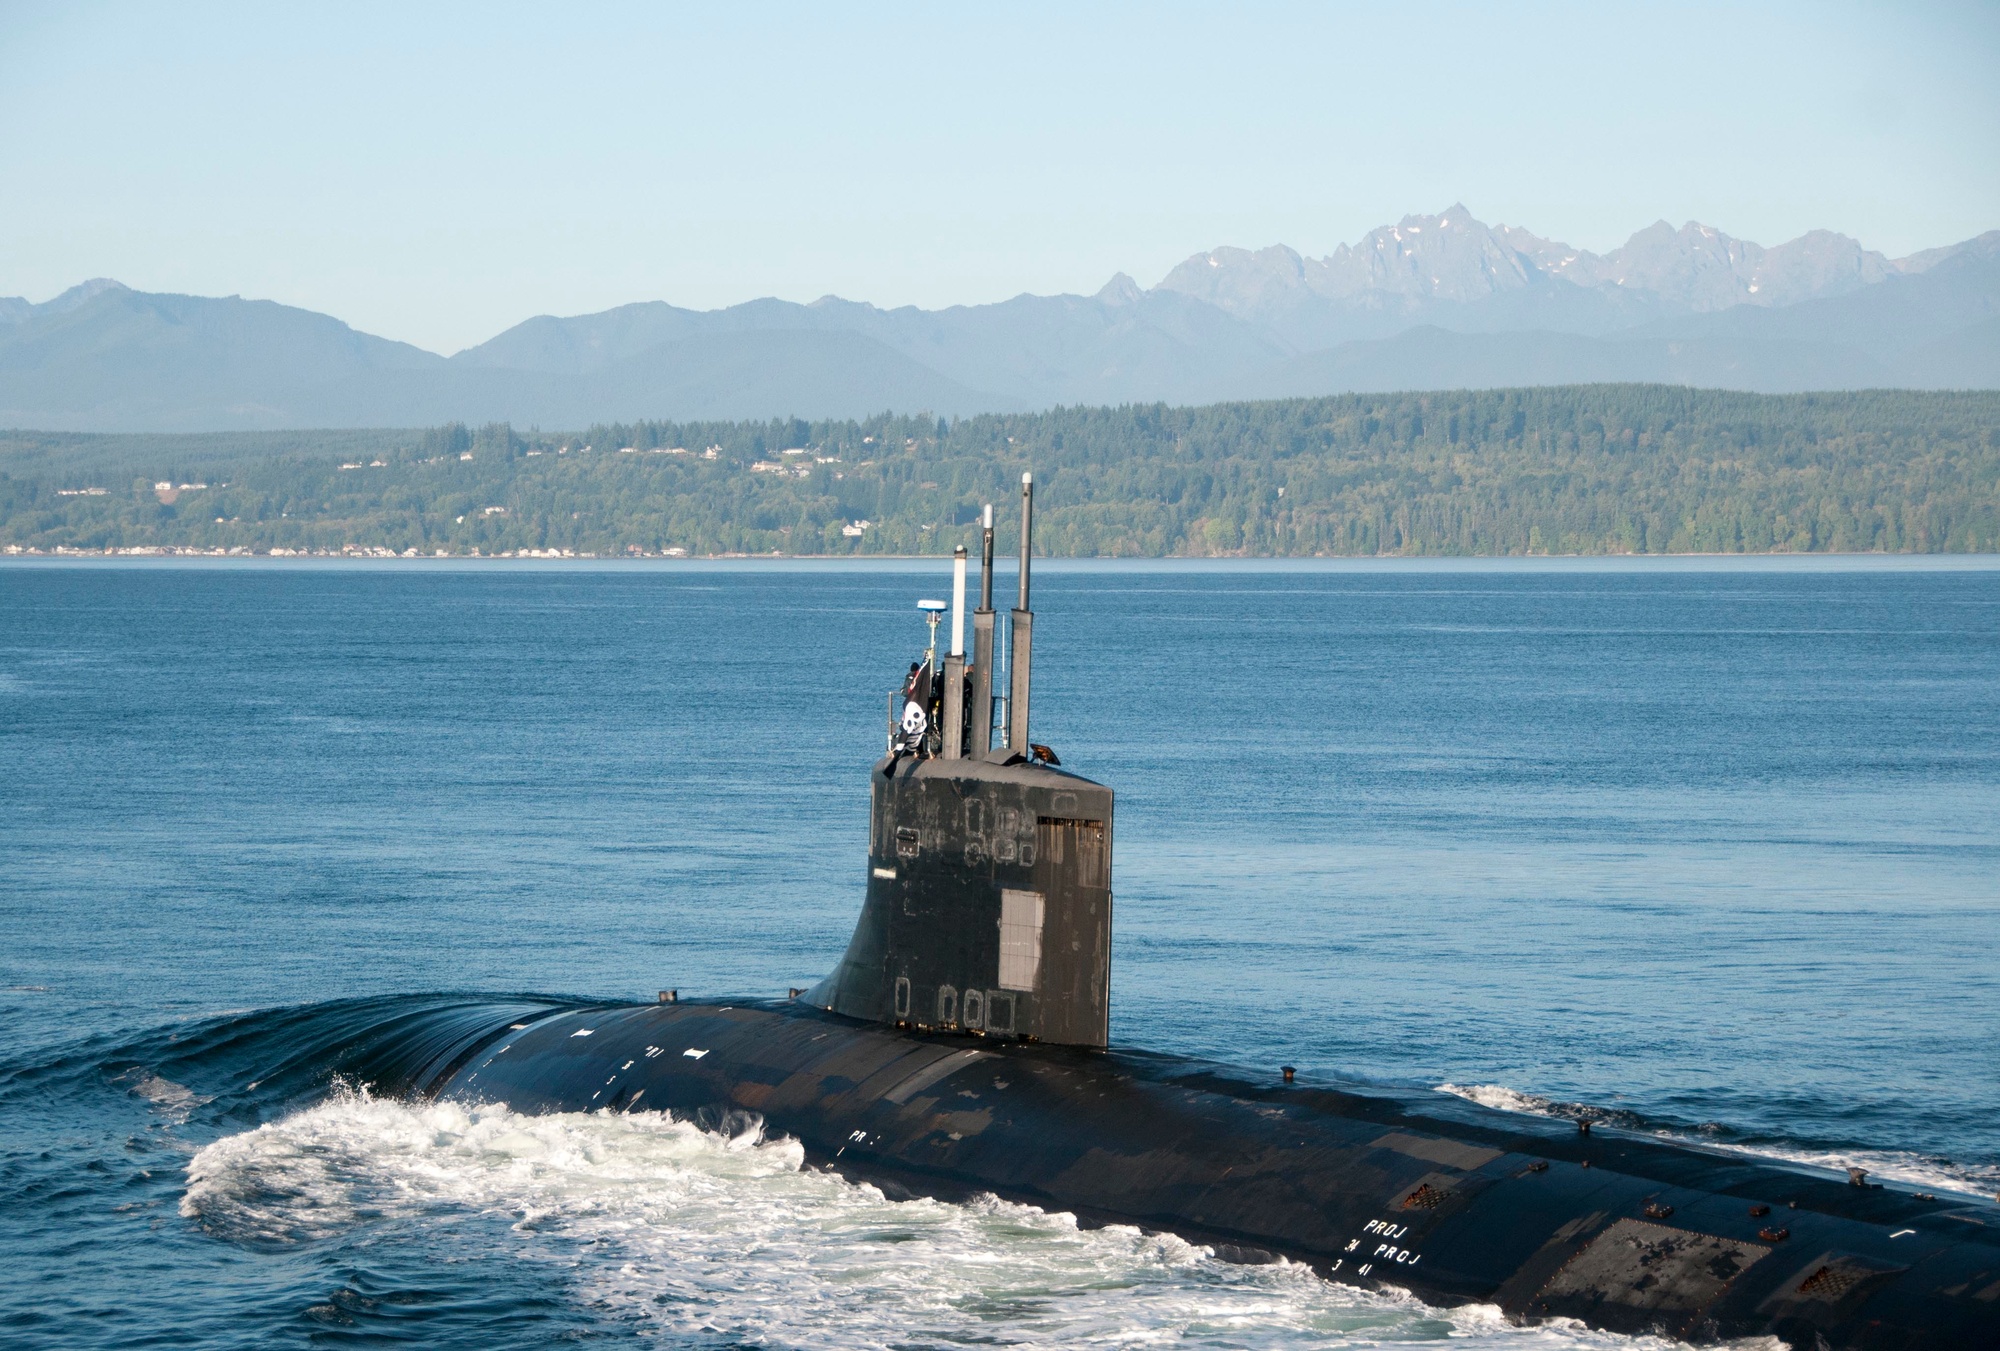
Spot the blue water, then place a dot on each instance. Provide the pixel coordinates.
(1712, 847)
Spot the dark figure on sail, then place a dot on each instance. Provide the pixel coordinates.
(916, 719)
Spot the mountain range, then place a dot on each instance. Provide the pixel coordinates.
(1433, 302)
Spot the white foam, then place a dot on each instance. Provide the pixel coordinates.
(1501, 1098)
(175, 1102)
(1922, 1171)
(663, 1226)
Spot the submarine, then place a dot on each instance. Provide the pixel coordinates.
(961, 1046)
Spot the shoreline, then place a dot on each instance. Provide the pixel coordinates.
(552, 560)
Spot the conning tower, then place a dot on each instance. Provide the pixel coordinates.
(989, 868)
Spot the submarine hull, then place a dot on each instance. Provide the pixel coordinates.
(1451, 1201)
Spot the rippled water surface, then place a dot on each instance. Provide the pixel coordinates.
(1712, 847)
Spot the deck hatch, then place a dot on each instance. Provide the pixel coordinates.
(1642, 1266)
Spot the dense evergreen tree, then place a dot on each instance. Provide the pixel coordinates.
(1590, 469)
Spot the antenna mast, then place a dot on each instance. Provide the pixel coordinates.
(952, 706)
(982, 646)
(1021, 648)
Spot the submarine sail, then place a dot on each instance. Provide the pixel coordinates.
(988, 907)
(961, 1047)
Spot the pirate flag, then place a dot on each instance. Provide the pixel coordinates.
(916, 720)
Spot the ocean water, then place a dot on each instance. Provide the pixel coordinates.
(1711, 847)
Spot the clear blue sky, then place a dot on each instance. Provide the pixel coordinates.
(438, 173)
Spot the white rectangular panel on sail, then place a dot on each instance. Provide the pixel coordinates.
(1020, 939)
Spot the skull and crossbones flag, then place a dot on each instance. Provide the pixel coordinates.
(916, 720)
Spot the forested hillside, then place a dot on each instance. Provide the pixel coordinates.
(1590, 469)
